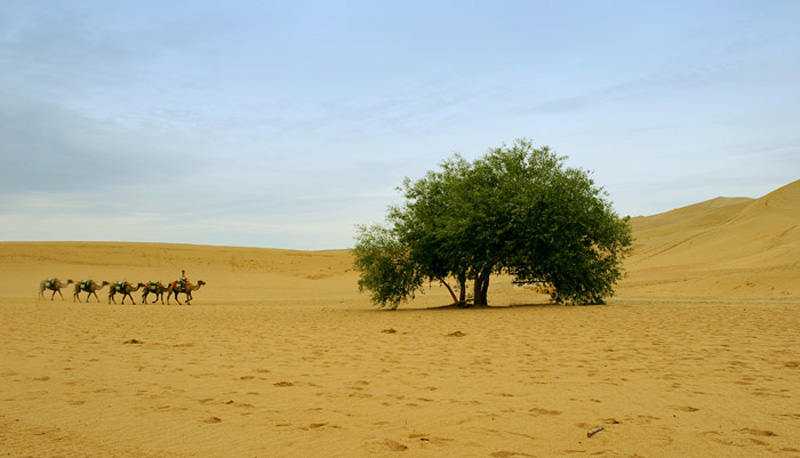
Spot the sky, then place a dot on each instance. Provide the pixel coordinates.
(284, 124)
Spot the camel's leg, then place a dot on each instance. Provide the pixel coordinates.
(176, 298)
(52, 296)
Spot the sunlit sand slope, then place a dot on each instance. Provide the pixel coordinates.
(722, 248)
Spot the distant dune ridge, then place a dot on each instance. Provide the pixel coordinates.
(722, 248)
(279, 355)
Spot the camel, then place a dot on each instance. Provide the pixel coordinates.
(123, 288)
(183, 287)
(89, 286)
(53, 284)
(157, 288)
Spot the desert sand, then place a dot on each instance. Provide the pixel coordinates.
(280, 355)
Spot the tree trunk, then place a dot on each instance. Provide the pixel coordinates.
(482, 287)
(450, 290)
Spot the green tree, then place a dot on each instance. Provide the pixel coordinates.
(517, 210)
(386, 266)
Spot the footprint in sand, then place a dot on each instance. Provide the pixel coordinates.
(507, 454)
(758, 432)
(428, 439)
(538, 411)
(686, 408)
(385, 445)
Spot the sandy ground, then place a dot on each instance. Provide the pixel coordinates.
(279, 355)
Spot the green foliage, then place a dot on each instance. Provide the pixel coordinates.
(386, 267)
(518, 210)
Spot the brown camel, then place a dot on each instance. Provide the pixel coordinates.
(89, 286)
(53, 284)
(156, 288)
(123, 288)
(183, 287)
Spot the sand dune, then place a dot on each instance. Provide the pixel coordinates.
(723, 248)
(281, 356)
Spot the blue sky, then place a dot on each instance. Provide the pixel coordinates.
(285, 124)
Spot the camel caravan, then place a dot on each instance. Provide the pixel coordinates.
(125, 288)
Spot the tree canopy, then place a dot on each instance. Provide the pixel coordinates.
(518, 210)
